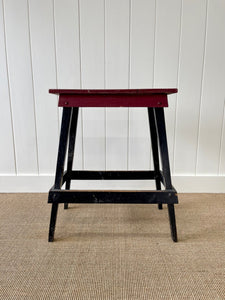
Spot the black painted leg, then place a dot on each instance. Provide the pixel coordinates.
(158, 187)
(172, 218)
(72, 138)
(67, 188)
(53, 222)
(65, 126)
(155, 151)
(161, 130)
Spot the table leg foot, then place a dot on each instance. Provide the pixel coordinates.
(172, 219)
(53, 222)
(160, 206)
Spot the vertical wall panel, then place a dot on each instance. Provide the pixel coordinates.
(117, 76)
(112, 44)
(139, 140)
(168, 15)
(92, 43)
(211, 116)
(21, 85)
(44, 76)
(190, 79)
(7, 159)
(94, 138)
(117, 43)
(92, 64)
(142, 42)
(67, 41)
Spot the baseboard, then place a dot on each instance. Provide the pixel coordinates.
(42, 183)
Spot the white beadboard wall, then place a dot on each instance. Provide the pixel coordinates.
(112, 44)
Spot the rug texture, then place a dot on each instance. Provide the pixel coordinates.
(110, 251)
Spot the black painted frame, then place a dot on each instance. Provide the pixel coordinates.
(159, 142)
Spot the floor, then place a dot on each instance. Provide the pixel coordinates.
(110, 251)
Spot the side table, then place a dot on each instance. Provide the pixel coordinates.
(154, 100)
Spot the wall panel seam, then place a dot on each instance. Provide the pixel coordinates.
(55, 53)
(81, 84)
(129, 81)
(32, 80)
(153, 69)
(105, 112)
(8, 81)
(178, 80)
(202, 86)
(154, 51)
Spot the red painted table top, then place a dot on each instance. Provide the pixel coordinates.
(113, 98)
